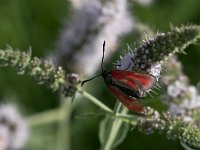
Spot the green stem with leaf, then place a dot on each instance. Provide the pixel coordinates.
(63, 141)
(114, 127)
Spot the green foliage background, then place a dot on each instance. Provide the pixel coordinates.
(37, 23)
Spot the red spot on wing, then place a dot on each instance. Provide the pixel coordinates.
(133, 80)
(131, 103)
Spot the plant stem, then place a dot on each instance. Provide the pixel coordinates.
(63, 142)
(43, 118)
(96, 101)
(115, 125)
(129, 119)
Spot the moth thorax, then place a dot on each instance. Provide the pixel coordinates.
(142, 94)
(107, 77)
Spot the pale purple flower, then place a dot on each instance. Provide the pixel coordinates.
(126, 62)
(3, 138)
(176, 109)
(155, 70)
(80, 42)
(13, 128)
(175, 89)
(187, 119)
(182, 98)
(189, 101)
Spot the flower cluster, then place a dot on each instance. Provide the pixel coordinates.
(152, 53)
(44, 71)
(182, 98)
(175, 127)
(70, 89)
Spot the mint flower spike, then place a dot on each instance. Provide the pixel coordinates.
(175, 127)
(43, 71)
(148, 57)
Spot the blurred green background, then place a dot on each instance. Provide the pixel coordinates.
(37, 23)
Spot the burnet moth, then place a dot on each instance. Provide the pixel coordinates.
(127, 86)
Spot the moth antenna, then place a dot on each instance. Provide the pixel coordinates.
(104, 43)
(90, 79)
